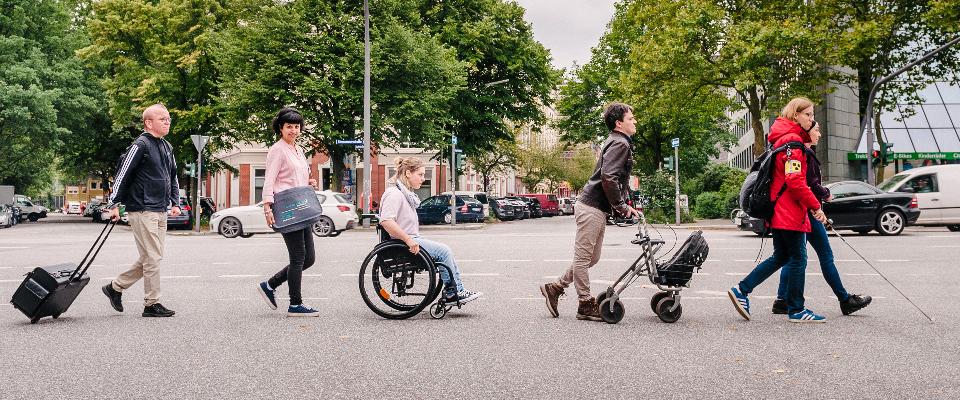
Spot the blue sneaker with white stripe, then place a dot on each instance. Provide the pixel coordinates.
(301, 310)
(740, 301)
(807, 316)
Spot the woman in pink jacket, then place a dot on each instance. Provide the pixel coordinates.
(287, 167)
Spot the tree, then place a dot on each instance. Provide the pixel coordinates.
(665, 107)
(763, 52)
(877, 38)
(578, 169)
(501, 158)
(414, 77)
(493, 40)
(43, 93)
(539, 162)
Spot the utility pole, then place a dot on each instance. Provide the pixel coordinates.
(366, 114)
(453, 180)
(199, 142)
(675, 142)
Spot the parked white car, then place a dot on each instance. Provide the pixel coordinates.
(73, 207)
(937, 192)
(245, 221)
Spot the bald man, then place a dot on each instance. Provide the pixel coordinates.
(146, 184)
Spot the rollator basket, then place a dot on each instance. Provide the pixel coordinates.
(681, 267)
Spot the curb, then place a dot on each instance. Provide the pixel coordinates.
(457, 227)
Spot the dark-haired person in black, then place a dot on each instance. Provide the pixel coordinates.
(287, 168)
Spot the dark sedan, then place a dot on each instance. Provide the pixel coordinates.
(502, 209)
(859, 207)
(536, 211)
(437, 209)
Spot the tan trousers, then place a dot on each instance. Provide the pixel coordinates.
(591, 224)
(149, 229)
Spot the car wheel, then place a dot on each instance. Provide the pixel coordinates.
(446, 218)
(33, 217)
(954, 228)
(230, 227)
(323, 227)
(890, 222)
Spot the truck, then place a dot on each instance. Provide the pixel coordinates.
(28, 210)
(6, 194)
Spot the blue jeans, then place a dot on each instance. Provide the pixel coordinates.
(789, 251)
(441, 253)
(821, 244)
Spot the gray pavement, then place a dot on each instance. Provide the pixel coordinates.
(225, 343)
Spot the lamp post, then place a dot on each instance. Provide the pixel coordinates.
(366, 114)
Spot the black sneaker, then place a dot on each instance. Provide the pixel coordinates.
(779, 306)
(114, 297)
(854, 303)
(157, 310)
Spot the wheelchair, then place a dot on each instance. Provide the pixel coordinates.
(397, 284)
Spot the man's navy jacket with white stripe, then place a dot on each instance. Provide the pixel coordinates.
(147, 179)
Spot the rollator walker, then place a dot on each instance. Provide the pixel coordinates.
(670, 277)
(397, 284)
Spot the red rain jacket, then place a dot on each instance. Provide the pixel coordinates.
(790, 212)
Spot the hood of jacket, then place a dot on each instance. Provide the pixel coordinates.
(785, 130)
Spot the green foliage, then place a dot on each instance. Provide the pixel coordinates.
(501, 158)
(710, 205)
(540, 164)
(658, 191)
(718, 188)
(578, 170)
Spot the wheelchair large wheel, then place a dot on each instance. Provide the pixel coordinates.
(396, 284)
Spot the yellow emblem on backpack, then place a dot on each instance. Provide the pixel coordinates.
(792, 166)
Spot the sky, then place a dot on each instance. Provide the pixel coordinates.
(568, 28)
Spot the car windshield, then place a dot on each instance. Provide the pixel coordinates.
(468, 199)
(889, 184)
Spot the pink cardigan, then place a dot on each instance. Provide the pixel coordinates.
(287, 168)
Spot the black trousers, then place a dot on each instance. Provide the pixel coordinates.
(302, 256)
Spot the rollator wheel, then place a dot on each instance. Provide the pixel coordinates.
(395, 284)
(611, 317)
(663, 310)
(437, 311)
(656, 299)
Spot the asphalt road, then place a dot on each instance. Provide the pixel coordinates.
(225, 343)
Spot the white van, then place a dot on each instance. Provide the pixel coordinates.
(938, 193)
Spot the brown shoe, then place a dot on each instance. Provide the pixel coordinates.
(552, 292)
(588, 310)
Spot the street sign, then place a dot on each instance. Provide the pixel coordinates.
(360, 142)
(454, 141)
(199, 141)
(458, 150)
(675, 142)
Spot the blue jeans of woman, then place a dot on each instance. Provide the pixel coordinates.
(790, 252)
(820, 242)
(441, 253)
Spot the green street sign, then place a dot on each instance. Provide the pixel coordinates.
(910, 156)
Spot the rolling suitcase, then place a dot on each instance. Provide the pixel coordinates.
(49, 291)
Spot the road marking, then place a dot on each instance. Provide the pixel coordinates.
(460, 261)
(312, 275)
(551, 277)
(847, 260)
(612, 260)
(734, 248)
(941, 236)
(180, 277)
(348, 274)
(273, 262)
(514, 260)
(221, 263)
(893, 260)
(11, 280)
(13, 247)
(734, 273)
(6, 267)
(238, 276)
(558, 261)
(944, 247)
(750, 260)
(479, 274)
(306, 298)
(6, 305)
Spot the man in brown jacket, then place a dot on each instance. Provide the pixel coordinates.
(606, 192)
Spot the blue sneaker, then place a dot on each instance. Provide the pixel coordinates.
(740, 301)
(301, 310)
(267, 295)
(807, 316)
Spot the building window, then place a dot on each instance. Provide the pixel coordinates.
(259, 176)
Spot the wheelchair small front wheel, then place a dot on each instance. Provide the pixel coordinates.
(438, 311)
(664, 313)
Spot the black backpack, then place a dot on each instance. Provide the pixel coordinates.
(755, 192)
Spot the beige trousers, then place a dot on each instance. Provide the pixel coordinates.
(149, 229)
(591, 224)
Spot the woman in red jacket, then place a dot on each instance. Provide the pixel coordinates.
(789, 224)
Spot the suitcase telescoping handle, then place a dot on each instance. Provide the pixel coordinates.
(98, 244)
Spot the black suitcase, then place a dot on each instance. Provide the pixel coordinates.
(49, 291)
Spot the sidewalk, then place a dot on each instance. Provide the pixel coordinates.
(710, 224)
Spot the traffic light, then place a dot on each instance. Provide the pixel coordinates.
(191, 169)
(886, 153)
(876, 158)
(668, 163)
(461, 160)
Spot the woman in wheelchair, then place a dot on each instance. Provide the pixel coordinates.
(398, 217)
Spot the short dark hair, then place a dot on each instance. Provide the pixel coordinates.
(615, 112)
(287, 115)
